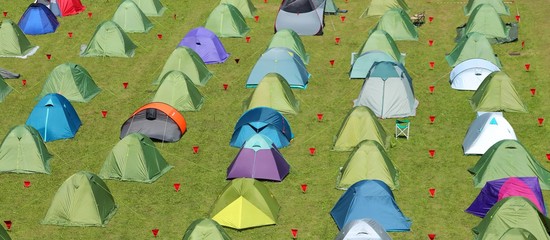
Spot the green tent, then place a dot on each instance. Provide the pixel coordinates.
(134, 158)
(485, 20)
(368, 160)
(205, 229)
(72, 81)
(245, 203)
(380, 40)
(499, 6)
(178, 91)
(5, 89)
(109, 40)
(397, 24)
(330, 7)
(4, 234)
(497, 93)
(226, 21)
(273, 91)
(513, 218)
(474, 45)
(288, 38)
(360, 124)
(82, 200)
(186, 60)
(246, 7)
(379, 7)
(508, 158)
(13, 42)
(131, 19)
(23, 151)
(151, 7)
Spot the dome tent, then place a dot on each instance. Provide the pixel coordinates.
(72, 81)
(109, 40)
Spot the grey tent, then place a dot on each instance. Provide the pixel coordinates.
(388, 91)
(363, 229)
(305, 17)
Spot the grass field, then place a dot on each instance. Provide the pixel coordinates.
(143, 207)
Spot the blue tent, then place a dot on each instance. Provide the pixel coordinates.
(38, 19)
(370, 199)
(54, 117)
(266, 121)
(282, 61)
(361, 65)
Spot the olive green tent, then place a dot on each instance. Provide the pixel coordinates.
(109, 40)
(186, 60)
(151, 7)
(72, 81)
(473, 45)
(4, 234)
(360, 124)
(273, 91)
(499, 6)
(508, 158)
(23, 151)
(397, 24)
(131, 19)
(379, 7)
(288, 38)
(134, 158)
(205, 229)
(5, 89)
(246, 7)
(330, 7)
(497, 93)
(13, 42)
(513, 218)
(485, 20)
(226, 21)
(380, 40)
(82, 200)
(178, 91)
(370, 161)
(245, 203)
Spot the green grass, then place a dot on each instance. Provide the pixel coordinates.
(143, 207)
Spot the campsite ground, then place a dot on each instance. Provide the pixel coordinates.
(143, 207)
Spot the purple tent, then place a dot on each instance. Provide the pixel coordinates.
(495, 190)
(205, 43)
(259, 159)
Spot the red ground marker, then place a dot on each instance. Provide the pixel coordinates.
(195, 149)
(24, 82)
(90, 15)
(548, 156)
(432, 119)
(432, 64)
(26, 184)
(533, 91)
(70, 34)
(155, 232)
(256, 18)
(337, 40)
(431, 236)
(294, 232)
(527, 67)
(432, 192)
(5, 14)
(319, 117)
(225, 86)
(177, 186)
(541, 120)
(48, 56)
(311, 151)
(247, 39)
(517, 18)
(432, 152)
(8, 224)
(331, 62)
(304, 187)
(522, 44)
(104, 113)
(343, 18)
(430, 42)
(159, 36)
(431, 88)
(430, 19)
(125, 85)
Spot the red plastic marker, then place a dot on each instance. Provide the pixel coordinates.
(319, 117)
(527, 67)
(432, 64)
(256, 18)
(304, 187)
(70, 34)
(431, 88)
(247, 39)
(430, 19)
(430, 42)
(159, 36)
(5, 14)
(24, 82)
(431, 236)
(104, 113)
(343, 18)
(311, 151)
(294, 232)
(533, 91)
(48, 56)
(89, 14)
(541, 120)
(125, 85)
(432, 119)
(337, 40)
(195, 149)
(517, 18)
(225, 86)
(548, 156)
(155, 232)
(331, 62)
(432, 152)
(177, 186)
(26, 184)
(432, 192)
(8, 224)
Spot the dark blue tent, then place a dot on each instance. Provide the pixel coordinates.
(266, 121)
(54, 117)
(38, 19)
(370, 199)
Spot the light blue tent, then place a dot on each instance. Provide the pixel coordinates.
(362, 64)
(55, 118)
(266, 121)
(370, 199)
(282, 61)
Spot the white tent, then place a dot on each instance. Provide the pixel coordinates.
(468, 75)
(388, 91)
(363, 229)
(486, 130)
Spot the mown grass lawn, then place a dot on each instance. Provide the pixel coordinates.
(143, 207)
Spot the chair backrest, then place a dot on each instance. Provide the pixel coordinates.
(402, 123)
